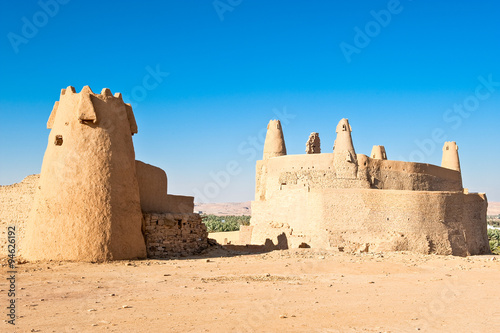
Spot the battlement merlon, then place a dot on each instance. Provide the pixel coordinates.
(85, 102)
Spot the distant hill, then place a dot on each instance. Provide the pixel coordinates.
(224, 208)
(243, 208)
(493, 208)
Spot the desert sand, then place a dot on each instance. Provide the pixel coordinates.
(226, 290)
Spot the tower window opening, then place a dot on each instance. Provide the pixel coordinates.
(59, 140)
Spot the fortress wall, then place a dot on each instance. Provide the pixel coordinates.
(179, 204)
(372, 220)
(317, 170)
(398, 175)
(170, 234)
(313, 170)
(475, 209)
(153, 191)
(245, 234)
(152, 187)
(16, 201)
(15, 205)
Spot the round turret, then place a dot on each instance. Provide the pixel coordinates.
(275, 143)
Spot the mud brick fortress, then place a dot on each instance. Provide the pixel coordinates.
(93, 201)
(355, 202)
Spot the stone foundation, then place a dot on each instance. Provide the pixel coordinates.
(173, 234)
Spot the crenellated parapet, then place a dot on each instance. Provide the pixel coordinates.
(87, 105)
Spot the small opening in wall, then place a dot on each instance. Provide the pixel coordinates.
(59, 140)
(86, 121)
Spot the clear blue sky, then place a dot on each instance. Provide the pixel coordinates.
(235, 65)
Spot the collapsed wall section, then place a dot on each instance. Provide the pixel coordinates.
(172, 234)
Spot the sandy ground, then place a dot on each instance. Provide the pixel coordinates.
(301, 290)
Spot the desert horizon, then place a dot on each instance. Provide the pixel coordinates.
(244, 208)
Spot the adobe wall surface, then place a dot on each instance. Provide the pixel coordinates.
(153, 191)
(15, 205)
(245, 234)
(153, 187)
(172, 234)
(179, 204)
(372, 220)
(317, 170)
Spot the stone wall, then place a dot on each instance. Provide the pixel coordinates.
(15, 205)
(172, 234)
